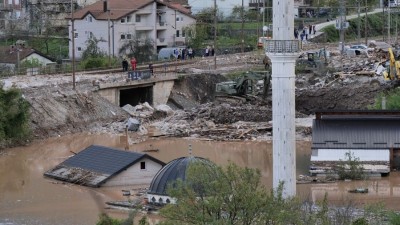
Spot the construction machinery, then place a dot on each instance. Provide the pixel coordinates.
(246, 87)
(393, 69)
(313, 59)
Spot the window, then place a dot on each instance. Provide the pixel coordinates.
(129, 36)
(90, 19)
(123, 20)
(75, 34)
(79, 49)
(183, 33)
(177, 19)
(137, 18)
(122, 36)
(142, 165)
(91, 35)
(181, 18)
(129, 19)
(177, 33)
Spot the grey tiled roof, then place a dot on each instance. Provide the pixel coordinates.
(96, 164)
(102, 159)
(356, 133)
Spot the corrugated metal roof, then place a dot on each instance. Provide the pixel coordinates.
(363, 133)
(96, 164)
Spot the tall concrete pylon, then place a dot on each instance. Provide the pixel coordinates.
(283, 50)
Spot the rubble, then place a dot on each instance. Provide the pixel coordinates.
(344, 82)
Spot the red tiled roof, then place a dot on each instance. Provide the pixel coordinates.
(9, 55)
(120, 8)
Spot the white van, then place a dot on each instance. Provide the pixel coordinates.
(393, 3)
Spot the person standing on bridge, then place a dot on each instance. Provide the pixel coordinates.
(133, 63)
(124, 65)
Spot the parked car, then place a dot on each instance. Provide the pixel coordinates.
(361, 47)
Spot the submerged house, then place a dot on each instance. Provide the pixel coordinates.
(372, 136)
(103, 166)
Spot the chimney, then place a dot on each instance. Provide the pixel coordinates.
(105, 8)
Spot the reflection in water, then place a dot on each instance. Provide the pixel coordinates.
(26, 197)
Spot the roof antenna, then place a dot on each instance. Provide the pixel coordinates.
(190, 150)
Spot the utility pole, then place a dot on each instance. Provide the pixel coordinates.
(242, 12)
(73, 44)
(109, 38)
(365, 23)
(263, 17)
(359, 23)
(388, 25)
(383, 27)
(258, 18)
(215, 34)
(342, 20)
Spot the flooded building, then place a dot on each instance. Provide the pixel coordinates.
(371, 137)
(103, 166)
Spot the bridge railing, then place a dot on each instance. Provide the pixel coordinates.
(140, 74)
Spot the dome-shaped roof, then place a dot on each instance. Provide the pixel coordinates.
(174, 170)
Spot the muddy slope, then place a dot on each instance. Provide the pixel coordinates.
(57, 110)
(348, 97)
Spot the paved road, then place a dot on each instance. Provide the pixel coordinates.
(323, 25)
(320, 26)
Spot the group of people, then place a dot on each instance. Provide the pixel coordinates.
(125, 64)
(133, 62)
(209, 51)
(183, 53)
(304, 33)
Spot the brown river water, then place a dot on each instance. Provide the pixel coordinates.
(26, 197)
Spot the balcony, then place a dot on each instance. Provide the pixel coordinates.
(144, 28)
(282, 46)
(161, 25)
(161, 42)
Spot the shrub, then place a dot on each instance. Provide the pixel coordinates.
(14, 116)
(350, 168)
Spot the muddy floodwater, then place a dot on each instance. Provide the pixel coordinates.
(26, 197)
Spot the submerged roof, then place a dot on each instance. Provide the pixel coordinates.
(95, 165)
(173, 171)
(356, 133)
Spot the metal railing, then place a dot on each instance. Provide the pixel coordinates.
(282, 46)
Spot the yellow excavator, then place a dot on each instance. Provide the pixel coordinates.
(393, 70)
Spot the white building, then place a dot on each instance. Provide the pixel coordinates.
(164, 23)
(370, 136)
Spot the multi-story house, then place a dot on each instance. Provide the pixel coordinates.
(116, 22)
(10, 12)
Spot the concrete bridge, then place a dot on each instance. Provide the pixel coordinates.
(154, 90)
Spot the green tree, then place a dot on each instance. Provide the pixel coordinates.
(14, 116)
(105, 219)
(92, 49)
(230, 195)
(141, 49)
